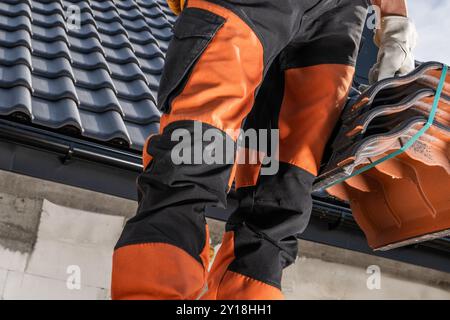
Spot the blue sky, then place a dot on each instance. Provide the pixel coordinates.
(432, 19)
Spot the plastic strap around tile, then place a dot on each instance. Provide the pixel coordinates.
(411, 141)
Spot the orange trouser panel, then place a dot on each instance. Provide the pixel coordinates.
(236, 286)
(313, 100)
(155, 271)
(223, 259)
(221, 88)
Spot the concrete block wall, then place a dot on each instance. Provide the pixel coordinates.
(70, 245)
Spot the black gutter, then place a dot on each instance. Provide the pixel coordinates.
(68, 147)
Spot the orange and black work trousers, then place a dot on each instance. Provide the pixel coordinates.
(232, 64)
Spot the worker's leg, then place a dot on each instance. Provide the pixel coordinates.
(214, 66)
(261, 236)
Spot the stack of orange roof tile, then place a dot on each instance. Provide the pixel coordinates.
(405, 199)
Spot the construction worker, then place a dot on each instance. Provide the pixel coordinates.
(284, 64)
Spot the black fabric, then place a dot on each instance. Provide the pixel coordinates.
(328, 36)
(270, 216)
(265, 111)
(172, 198)
(320, 31)
(194, 30)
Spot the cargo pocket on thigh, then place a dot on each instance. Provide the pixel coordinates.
(194, 30)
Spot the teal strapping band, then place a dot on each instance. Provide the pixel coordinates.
(416, 137)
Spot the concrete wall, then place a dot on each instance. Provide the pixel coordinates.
(72, 247)
(61, 249)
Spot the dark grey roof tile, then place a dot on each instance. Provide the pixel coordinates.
(138, 25)
(15, 23)
(85, 31)
(54, 89)
(11, 76)
(98, 100)
(148, 51)
(115, 41)
(56, 114)
(133, 90)
(130, 14)
(103, 5)
(16, 55)
(17, 1)
(150, 8)
(162, 34)
(105, 126)
(86, 45)
(48, 8)
(143, 4)
(126, 72)
(48, 34)
(163, 44)
(158, 22)
(89, 61)
(16, 99)
(125, 4)
(72, 6)
(93, 79)
(121, 56)
(143, 37)
(111, 28)
(51, 49)
(87, 17)
(52, 68)
(16, 38)
(50, 20)
(153, 81)
(164, 8)
(140, 133)
(153, 66)
(14, 10)
(142, 112)
(107, 16)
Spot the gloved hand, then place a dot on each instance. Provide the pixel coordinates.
(396, 39)
(176, 5)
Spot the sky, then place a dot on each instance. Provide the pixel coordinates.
(432, 20)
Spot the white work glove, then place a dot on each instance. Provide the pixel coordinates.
(396, 39)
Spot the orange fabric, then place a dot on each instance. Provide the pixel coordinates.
(154, 271)
(227, 285)
(146, 158)
(235, 286)
(223, 259)
(176, 6)
(232, 176)
(206, 253)
(313, 101)
(221, 88)
(248, 167)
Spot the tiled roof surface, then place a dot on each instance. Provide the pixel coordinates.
(97, 79)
